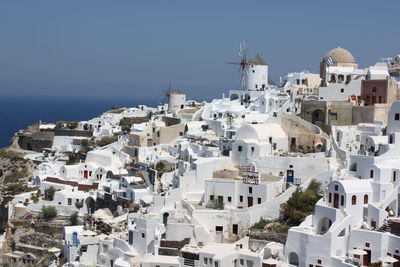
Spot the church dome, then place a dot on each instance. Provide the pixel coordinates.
(340, 55)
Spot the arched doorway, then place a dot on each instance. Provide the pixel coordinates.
(90, 205)
(165, 218)
(323, 225)
(293, 259)
(318, 116)
(234, 97)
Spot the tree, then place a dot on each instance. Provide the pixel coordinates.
(300, 204)
(49, 193)
(49, 212)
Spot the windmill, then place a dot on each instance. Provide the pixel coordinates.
(243, 61)
(167, 93)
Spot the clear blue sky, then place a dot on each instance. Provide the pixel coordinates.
(125, 48)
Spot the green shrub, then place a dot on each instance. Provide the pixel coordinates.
(106, 140)
(216, 203)
(73, 219)
(72, 159)
(204, 127)
(260, 224)
(300, 204)
(49, 193)
(78, 204)
(49, 212)
(15, 189)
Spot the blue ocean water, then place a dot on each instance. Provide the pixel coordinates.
(17, 112)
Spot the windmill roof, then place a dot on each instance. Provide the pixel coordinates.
(257, 60)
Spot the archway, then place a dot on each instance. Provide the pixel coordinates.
(90, 205)
(318, 116)
(323, 225)
(234, 97)
(293, 259)
(165, 218)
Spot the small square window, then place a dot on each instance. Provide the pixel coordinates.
(342, 90)
(250, 190)
(336, 187)
(259, 200)
(397, 116)
(229, 199)
(241, 198)
(240, 148)
(143, 235)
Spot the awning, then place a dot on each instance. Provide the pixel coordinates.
(387, 259)
(357, 251)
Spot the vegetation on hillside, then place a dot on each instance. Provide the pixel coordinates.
(294, 210)
(106, 140)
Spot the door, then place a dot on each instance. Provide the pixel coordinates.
(249, 201)
(85, 174)
(336, 200)
(367, 257)
(373, 100)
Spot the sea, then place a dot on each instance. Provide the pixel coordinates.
(17, 112)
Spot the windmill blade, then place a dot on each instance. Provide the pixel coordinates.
(169, 88)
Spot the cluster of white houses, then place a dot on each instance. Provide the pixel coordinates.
(187, 180)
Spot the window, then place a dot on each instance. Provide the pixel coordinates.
(367, 245)
(216, 262)
(365, 199)
(143, 235)
(241, 198)
(241, 261)
(219, 228)
(240, 148)
(334, 116)
(105, 248)
(319, 261)
(229, 199)
(394, 176)
(330, 198)
(342, 200)
(336, 187)
(69, 201)
(205, 260)
(342, 90)
(211, 197)
(397, 116)
(250, 190)
(259, 200)
(252, 149)
(353, 200)
(371, 174)
(374, 89)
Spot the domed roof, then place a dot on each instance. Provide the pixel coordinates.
(257, 60)
(340, 55)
